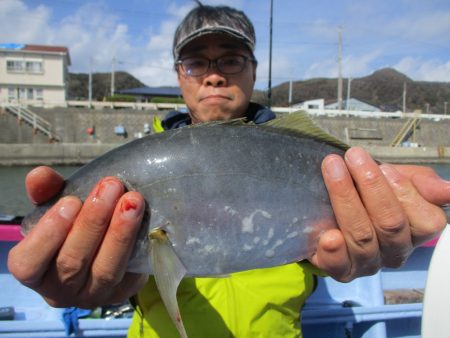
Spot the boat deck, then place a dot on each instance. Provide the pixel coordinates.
(369, 307)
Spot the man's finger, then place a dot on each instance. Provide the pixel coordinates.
(385, 211)
(112, 258)
(432, 187)
(43, 183)
(351, 216)
(75, 257)
(332, 256)
(31, 257)
(426, 219)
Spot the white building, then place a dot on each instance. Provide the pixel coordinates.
(353, 104)
(310, 104)
(34, 74)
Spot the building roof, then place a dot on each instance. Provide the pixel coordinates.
(37, 48)
(152, 91)
(354, 104)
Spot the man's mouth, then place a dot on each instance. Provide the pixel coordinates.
(215, 97)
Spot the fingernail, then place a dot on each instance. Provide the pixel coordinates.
(69, 208)
(356, 156)
(335, 168)
(108, 190)
(131, 207)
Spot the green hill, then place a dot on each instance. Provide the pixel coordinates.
(383, 88)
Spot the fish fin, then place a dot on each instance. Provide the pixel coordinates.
(301, 124)
(236, 121)
(168, 271)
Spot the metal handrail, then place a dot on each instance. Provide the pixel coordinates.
(38, 123)
(404, 131)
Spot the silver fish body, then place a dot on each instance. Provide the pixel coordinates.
(229, 197)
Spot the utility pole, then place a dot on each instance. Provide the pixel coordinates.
(269, 91)
(113, 66)
(90, 82)
(445, 107)
(404, 97)
(290, 93)
(347, 104)
(339, 93)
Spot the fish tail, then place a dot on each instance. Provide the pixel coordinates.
(168, 271)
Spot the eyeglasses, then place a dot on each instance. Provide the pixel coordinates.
(228, 64)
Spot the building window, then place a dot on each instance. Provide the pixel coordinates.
(12, 93)
(39, 94)
(22, 93)
(29, 93)
(15, 66)
(20, 66)
(34, 67)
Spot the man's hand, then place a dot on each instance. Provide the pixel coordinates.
(383, 212)
(77, 254)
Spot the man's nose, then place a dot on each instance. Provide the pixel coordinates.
(214, 78)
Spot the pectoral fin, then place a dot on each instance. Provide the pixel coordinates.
(168, 271)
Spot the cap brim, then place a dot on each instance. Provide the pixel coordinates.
(213, 30)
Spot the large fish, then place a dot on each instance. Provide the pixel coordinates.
(222, 197)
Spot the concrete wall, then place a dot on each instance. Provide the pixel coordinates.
(77, 146)
(12, 131)
(51, 154)
(71, 125)
(381, 131)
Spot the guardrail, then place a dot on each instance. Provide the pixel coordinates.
(363, 114)
(179, 106)
(129, 105)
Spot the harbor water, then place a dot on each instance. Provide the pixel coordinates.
(13, 199)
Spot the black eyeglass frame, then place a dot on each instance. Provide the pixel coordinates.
(215, 62)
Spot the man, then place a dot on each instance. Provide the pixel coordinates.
(77, 254)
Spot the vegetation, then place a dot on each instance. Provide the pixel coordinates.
(101, 84)
(383, 88)
(167, 100)
(120, 98)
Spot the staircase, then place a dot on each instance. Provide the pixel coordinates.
(406, 130)
(35, 121)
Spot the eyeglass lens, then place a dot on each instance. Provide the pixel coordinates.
(229, 64)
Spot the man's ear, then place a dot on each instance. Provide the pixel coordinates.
(254, 73)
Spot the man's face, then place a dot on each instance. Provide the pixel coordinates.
(216, 96)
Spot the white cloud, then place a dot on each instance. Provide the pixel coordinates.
(352, 66)
(429, 70)
(21, 24)
(93, 32)
(142, 42)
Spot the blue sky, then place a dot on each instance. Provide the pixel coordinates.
(412, 36)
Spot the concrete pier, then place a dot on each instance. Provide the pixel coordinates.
(429, 142)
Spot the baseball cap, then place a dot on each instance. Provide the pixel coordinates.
(205, 19)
